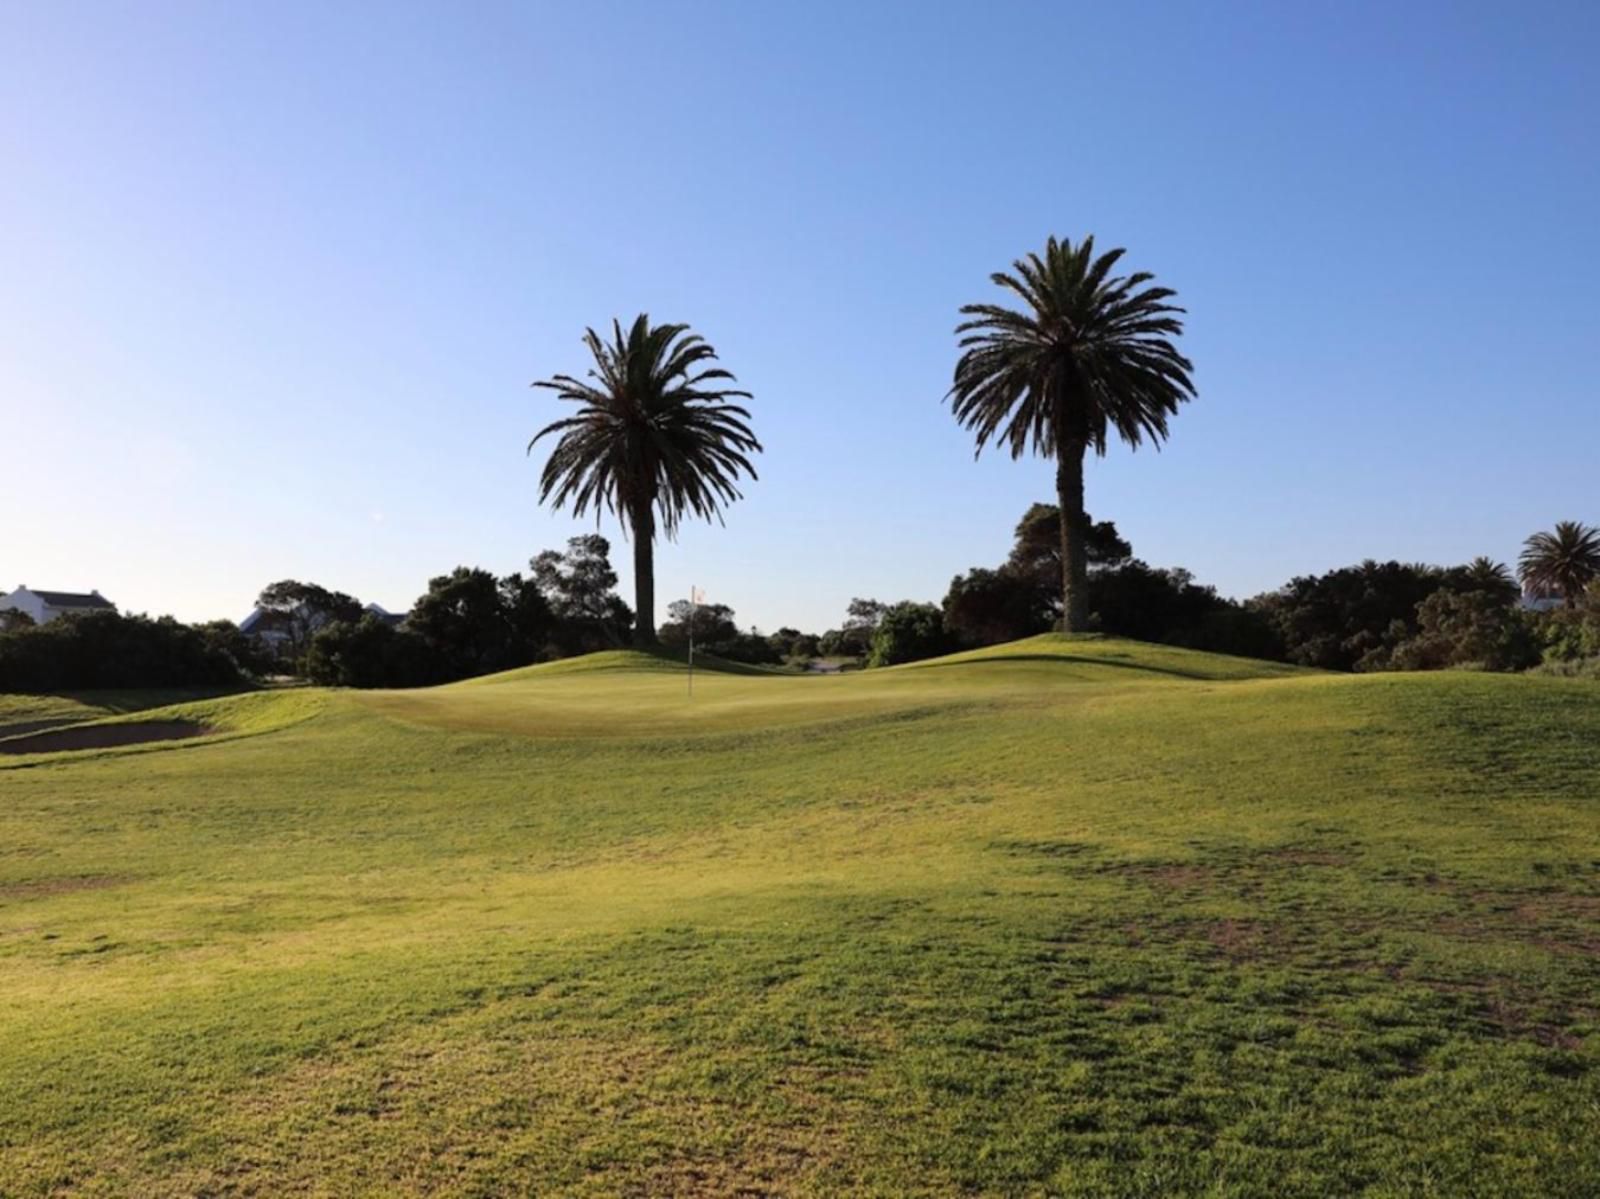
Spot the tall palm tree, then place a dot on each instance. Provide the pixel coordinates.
(655, 438)
(1087, 353)
(1566, 560)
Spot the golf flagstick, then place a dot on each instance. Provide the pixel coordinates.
(694, 610)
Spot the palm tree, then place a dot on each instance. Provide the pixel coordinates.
(1089, 352)
(1485, 574)
(1566, 560)
(655, 437)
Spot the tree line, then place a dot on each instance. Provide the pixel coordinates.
(468, 622)
(1083, 357)
(1366, 617)
(471, 622)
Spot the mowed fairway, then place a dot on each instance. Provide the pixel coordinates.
(1069, 917)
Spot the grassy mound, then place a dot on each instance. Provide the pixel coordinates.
(629, 661)
(31, 711)
(203, 721)
(1087, 652)
(1073, 916)
(624, 693)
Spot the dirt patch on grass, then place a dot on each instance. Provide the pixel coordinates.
(1510, 1009)
(1552, 921)
(45, 887)
(1177, 876)
(103, 736)
(1486, 928)
(1518, 1020)
(1307, 857)
(1588, 947)
(1542, 908)
(1245, 940)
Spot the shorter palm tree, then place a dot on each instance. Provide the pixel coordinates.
(654, 437)
(1485, 574)
(1563, 561)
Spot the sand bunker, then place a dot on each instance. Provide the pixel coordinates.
(36, 726)
(103, 736)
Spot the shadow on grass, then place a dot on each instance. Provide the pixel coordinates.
(124, 702)
(1069, 660)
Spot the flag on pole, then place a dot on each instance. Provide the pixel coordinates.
(696, 598)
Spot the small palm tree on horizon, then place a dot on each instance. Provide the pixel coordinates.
(1485, 574)
(655, 439)
(1561, 562)
(1087, 354)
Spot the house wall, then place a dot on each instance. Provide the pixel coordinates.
(25, 601)
(30, 602)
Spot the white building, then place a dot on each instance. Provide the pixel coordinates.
(45, 606)
(1541, 601)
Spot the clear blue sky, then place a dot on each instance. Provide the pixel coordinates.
(274, 278)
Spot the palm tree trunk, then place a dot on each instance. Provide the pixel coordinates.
(1074, 538)
(644, 578)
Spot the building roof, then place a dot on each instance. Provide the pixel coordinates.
(383, 614)
(266, 622)
(72, 599)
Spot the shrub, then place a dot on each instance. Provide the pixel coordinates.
(1572, 634)
(805, 647)
(1355, 617)
(473, 623)
(1168, 606)
(579, 587)
(717, 634)
(987, 607)
(1579, 668)
(106, 650)
(225, 636)
(1471, 628)
(372, 653)
(14, 620)
(909, 632)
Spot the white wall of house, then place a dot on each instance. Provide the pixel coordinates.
(24, 600)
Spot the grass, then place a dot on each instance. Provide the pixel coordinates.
(17, 711)
(1071, 917)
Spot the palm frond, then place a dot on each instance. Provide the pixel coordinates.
(655, 438)
(1088, 353)
(1562, 562)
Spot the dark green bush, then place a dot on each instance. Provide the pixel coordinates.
(373, 653)
(1470, 628)
(108, 651)
(909, 632)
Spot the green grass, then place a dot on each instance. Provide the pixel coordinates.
(19, 710)
(1071, 917)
